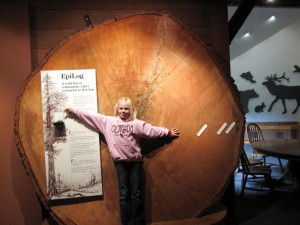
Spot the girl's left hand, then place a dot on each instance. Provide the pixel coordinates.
(174, 132)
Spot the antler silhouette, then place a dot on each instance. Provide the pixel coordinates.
(275, 78)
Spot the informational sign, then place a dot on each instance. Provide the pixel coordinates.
(72, 150)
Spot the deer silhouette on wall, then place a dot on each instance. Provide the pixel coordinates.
(281, 91)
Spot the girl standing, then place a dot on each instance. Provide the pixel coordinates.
(122, 133)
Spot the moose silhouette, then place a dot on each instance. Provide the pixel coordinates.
(281, 91)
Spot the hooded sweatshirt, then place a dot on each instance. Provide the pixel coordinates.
(122, 137)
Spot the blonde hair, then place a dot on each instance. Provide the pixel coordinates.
(133, 111)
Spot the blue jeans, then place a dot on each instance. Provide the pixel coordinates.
(130, 178)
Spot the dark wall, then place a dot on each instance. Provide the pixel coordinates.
(54, 21)
(19, 204)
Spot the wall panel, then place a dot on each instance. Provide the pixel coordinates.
(54, 21)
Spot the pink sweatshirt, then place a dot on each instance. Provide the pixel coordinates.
(122, 137)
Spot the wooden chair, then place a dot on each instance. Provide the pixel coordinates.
(255, 134)
(252, 161)
(256, 172)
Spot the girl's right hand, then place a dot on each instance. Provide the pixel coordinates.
(68, 110)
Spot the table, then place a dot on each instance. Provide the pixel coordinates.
(286, 149)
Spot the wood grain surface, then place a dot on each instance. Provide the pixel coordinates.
(175, 80)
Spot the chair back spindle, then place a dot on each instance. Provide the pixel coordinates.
(244, 161)
(254, 132)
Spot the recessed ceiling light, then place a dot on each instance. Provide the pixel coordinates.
(247, 34)
(272, 18)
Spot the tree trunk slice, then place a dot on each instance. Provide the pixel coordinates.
(175, 80)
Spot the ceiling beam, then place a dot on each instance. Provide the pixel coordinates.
(239, 17)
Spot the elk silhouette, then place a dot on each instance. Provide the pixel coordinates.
(282, 92)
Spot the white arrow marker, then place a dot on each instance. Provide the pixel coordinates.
(202, 130)
(221, 128)
(230, 127)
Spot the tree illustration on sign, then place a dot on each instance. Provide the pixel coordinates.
(53, 101)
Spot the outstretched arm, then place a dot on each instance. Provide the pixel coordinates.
(92, 119)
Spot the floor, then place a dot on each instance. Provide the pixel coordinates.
(261, 208)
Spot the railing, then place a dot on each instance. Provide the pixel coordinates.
(278, 130)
